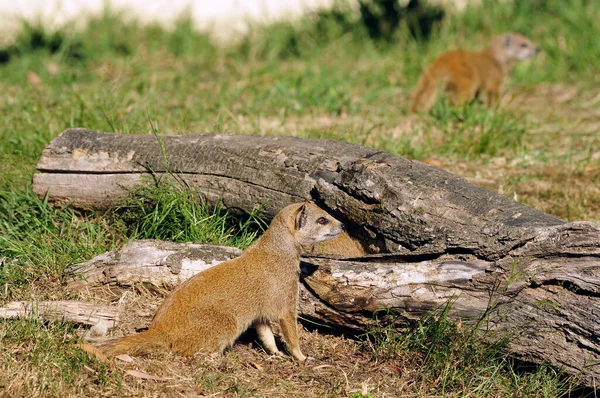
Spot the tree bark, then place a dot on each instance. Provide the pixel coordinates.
(393, 204)
(440, 238)
(545, 294)
(101, 318)
(153, 262)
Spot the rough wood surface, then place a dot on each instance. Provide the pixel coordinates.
(154, 262)
(548, 303)
(393, 204)
(100, 317)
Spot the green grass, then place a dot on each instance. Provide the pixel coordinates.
(318, 77)
(38, 359)
(451, 359)
(169, 211)
(39, 242)
(114, 75)
(473, 132)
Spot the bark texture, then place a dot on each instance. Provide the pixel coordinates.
(439, 237)
(545, 294)
(99, 317)
(394, 204)
(153, 262)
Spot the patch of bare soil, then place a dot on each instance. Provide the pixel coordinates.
(338, 369)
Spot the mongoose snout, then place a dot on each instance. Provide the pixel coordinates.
(209, 311)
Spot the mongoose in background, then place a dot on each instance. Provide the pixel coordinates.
(463, 75)
(209, 311)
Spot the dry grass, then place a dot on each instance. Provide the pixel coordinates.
(339, 366)
(541, 149)
(556, 171)
(39, 359)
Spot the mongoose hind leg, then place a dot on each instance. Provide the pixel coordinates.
(207, 337)
(265, 334)
(290, 334)
(492, 92)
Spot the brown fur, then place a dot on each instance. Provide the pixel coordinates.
(463, 74)
(209, 311)
(96, 353)
(342, 245)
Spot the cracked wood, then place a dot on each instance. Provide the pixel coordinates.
(392, 204)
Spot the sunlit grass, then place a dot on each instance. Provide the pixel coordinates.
(320, 77)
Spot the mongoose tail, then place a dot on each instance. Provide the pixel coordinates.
(137, 344)
(425, 93)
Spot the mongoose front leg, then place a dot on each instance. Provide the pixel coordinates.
(492, 90)
(492, 97)
(290, 334)
(265, 334)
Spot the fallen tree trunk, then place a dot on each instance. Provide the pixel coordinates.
(393, 204)
(99, 317)
(532, 275)
(153, 262)
(551, 315)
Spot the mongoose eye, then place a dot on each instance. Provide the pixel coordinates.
(523, 45)
(322, 220)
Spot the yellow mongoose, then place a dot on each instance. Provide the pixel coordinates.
(463, 75)
(209, 311)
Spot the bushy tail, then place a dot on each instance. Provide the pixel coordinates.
(136, 344)
(425, 92)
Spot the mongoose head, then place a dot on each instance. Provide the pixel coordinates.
(310, 224)
(511, 47)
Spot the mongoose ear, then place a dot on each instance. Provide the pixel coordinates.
(301, 216)
(507, 40)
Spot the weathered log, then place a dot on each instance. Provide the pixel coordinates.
(549, 303)
(394, 204)
(532, 275)
(153, 262)
(100, 317)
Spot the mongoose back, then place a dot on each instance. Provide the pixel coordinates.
(463, 75)
(209, 311)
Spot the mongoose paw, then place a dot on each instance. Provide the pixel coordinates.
(301, 359)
